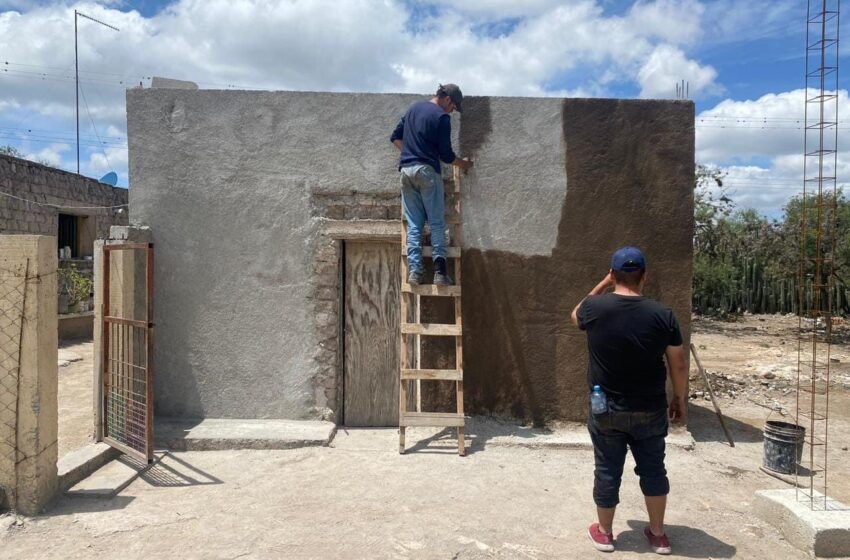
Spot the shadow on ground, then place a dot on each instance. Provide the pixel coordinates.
(686, 542)
(171, 471)
(73, 506)
(479, 431)
(704, 426)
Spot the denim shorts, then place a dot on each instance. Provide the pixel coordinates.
(615, 431)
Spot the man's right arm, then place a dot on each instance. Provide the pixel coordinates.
(444, 145)
(678, 369)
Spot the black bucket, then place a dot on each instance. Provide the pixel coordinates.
(783, 446)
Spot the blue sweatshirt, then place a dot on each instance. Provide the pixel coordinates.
(425, 132)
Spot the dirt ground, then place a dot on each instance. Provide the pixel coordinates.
(360, 499)
(75, 394)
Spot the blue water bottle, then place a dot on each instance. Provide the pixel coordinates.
(598, 400)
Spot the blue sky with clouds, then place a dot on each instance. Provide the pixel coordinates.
(744, 62)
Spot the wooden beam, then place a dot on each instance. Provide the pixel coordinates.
(451, 252)
(437, 419)
(431, 290)
(433, 374)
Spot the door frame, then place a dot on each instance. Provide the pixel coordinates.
(340, 231)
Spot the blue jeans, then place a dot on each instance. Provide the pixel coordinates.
(423, 199)
(614, 431)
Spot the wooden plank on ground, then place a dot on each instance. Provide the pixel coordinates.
(711, 394)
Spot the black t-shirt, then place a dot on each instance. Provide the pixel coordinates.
(626, 340)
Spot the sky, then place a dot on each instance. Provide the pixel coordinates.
(744, 62)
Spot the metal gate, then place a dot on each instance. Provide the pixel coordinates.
(127, 348)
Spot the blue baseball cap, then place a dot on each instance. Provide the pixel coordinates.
(628, 259)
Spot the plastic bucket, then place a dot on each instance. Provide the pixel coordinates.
(783, 446)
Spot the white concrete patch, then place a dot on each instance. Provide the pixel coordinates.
(220, 433)
(823, 532)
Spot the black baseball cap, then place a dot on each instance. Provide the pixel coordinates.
(628, 259)
(454, 93)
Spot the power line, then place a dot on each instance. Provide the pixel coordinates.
(61, 206)
(86, 103)
(51, 132)
(43, 138)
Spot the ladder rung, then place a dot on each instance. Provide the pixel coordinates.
(449, 185)
(439, 419)
(438, 374)
(431, 290)
(431, 329)
(451, 252)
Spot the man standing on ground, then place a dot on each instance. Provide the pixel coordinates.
(424, 137)
(628, 335)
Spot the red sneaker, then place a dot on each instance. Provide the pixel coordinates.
(658, 544)
(602, 541)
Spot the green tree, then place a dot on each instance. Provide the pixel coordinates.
(745, 262)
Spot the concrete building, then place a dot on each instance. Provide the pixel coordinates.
(41, 200)
(275, 222)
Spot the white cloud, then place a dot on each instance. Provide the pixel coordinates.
(51, 155)
(760, 145)
(771, 125)
(668, 66)
(727, 21)
(675, 21)
(499, 8)
(558, 48)
(8, 105)
(108, 159)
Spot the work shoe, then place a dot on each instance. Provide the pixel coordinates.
(658, 544)
(441, 277)
(601, 541)
(414, 278)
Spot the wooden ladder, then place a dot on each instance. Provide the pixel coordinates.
(414, 372)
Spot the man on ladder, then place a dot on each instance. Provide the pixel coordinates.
(423, 135)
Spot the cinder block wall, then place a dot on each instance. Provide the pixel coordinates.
(40, 183)
(239, 189)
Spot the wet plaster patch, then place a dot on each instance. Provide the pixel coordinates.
(630, 170)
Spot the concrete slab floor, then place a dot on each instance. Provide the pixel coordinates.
(356, 501)
(823, 531)
(486, 433)
(225, 433)
(77, 465)
(76, 424)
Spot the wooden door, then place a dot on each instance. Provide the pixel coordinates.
(372, 295)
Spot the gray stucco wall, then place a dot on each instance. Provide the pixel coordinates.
(238, 186)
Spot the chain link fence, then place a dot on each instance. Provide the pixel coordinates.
(13, 288)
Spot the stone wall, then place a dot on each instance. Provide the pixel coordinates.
(43, 185)
(248, 195)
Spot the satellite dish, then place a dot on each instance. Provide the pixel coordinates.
(110, 178)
